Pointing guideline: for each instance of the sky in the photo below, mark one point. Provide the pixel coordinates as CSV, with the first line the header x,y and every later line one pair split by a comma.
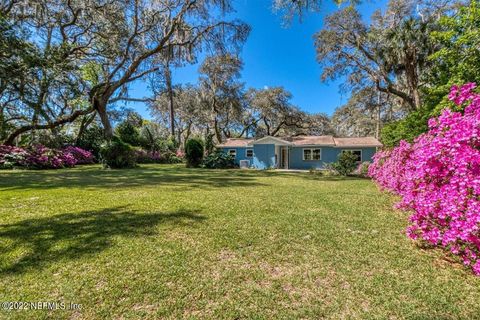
x,y
278,55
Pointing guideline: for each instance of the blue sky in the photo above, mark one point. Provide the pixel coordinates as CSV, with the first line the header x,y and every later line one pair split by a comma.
x,y
275,55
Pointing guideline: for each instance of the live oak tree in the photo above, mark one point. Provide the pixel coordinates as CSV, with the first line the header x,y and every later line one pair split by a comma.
x,y
124,41
137,32
220,88
275,115
391,53
43,89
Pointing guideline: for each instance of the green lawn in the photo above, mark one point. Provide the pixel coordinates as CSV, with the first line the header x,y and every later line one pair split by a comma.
x,y
169,242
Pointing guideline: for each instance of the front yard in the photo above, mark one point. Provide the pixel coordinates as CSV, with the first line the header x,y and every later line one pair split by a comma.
x,y
169,242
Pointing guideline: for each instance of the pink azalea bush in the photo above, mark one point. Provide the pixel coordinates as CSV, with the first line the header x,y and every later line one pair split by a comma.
x,y
41,157
438,179
82,156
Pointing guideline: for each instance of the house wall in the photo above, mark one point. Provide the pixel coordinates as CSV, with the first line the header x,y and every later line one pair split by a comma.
x,y
241,154
328,155
264,156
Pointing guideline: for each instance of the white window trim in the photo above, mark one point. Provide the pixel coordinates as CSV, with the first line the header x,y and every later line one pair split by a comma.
x,y
361,153
311,152
235,150
246,152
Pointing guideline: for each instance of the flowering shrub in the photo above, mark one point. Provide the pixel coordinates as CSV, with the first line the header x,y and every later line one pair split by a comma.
x,y
144,156
41,157
362,169
438,179
82,156
11,156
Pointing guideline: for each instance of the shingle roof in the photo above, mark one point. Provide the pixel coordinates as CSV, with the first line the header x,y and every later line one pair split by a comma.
x,y
236,142
357,142
312,140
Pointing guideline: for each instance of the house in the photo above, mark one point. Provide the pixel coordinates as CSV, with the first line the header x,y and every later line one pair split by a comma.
x,y
301,152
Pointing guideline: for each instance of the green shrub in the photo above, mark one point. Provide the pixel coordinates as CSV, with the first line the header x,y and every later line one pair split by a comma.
x,y
406,129
117,154
92,140
194,152
346,163
128,133
218,160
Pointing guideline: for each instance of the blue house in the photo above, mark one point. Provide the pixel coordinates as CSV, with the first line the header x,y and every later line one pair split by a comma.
x,y
301,152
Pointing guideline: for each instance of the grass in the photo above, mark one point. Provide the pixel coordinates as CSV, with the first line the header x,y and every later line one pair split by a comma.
x,y
169,242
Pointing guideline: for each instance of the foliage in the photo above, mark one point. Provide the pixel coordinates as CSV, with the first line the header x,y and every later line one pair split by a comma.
x,y
194,152
362,169
437,178
117,154
414,124
218,160
35,157
91,139
128,133
346,163
389,54
81,156
209,144
458,59
145,156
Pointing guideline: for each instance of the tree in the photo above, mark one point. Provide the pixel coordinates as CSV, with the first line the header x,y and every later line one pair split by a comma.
x,y
458,60
220,88
390,54
138,33
273,115
365,114
191,113
118,41
46,90
291,8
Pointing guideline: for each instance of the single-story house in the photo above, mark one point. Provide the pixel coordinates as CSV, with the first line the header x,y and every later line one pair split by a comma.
x,y
301,152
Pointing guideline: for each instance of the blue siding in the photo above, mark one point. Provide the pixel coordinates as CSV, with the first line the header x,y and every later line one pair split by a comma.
x,y
329,155
241,154
264,156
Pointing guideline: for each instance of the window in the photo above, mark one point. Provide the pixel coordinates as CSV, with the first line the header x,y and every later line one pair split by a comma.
x,y
249,153
233,152
312,154
357,153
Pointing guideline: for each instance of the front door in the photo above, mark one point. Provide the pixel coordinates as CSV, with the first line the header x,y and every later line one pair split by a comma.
x,y
284,158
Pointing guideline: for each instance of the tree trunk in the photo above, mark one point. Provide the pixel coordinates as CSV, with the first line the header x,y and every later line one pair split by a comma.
x,y
377,129
168,80
101,108
86,121
218,133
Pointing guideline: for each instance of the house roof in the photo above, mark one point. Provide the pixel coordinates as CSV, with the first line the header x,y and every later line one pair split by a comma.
x,y
312,140
236,142
357,142
268,139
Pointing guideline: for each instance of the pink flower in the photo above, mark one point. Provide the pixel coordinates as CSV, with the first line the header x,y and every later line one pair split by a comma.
x,y
437,177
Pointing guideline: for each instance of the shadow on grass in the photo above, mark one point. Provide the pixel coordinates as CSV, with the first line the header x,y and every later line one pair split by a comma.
x,y
150,175
36,243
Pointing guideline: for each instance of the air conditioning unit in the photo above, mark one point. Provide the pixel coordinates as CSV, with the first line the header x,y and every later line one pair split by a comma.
x,y
244,164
